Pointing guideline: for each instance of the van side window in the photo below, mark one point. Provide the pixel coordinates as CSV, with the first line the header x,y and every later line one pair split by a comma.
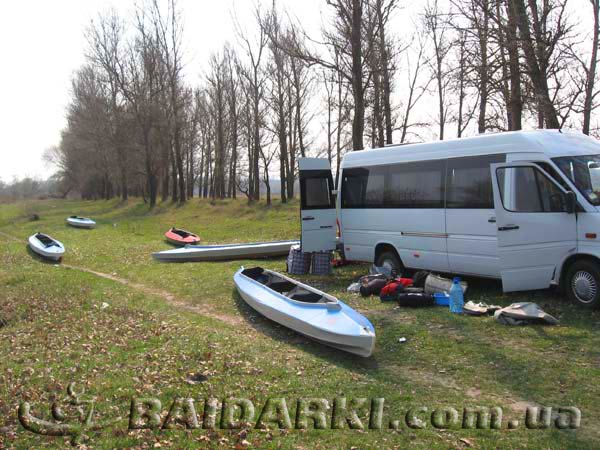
x,y
375,188
526,189
470,182
416,185
354,184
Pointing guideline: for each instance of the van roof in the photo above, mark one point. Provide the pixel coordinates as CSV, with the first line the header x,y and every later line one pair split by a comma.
x,y
553,143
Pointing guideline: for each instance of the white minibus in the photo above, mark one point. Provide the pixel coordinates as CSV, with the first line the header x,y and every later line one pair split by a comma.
x,y
522,207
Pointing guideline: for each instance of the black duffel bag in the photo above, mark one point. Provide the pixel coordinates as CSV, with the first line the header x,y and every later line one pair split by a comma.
x,y
415,299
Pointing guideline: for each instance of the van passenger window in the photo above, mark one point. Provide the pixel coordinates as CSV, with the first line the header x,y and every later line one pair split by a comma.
x,y
470,182
416,185
354,182
375,187
363,188
525,189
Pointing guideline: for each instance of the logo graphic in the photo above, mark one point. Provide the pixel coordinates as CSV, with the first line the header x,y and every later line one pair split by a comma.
x,y
83,418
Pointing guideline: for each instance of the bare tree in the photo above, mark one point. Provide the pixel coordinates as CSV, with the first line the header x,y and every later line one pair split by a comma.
x,y
233,90
436,28
254,89
416,87
589,68
539,42
278,70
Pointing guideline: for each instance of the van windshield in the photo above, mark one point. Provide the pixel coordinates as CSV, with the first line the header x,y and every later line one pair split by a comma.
x,y
584,172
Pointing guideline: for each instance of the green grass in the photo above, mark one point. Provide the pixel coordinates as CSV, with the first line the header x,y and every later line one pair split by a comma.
x,y
173,321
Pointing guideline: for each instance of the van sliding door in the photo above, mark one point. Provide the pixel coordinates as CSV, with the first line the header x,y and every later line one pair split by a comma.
x,y
470,216
317,211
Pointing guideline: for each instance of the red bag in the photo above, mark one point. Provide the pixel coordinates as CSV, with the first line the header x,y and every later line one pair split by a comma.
x,y
391,291
406,282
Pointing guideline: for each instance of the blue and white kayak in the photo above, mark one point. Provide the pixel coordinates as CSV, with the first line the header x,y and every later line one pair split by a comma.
x,y
225,252
81,222
307,310
45,246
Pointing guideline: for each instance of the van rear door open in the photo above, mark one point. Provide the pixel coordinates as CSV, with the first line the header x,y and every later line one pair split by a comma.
x,y
535,230
317,211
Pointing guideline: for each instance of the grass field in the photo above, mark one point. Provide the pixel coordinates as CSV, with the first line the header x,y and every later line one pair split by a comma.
x,y
121,325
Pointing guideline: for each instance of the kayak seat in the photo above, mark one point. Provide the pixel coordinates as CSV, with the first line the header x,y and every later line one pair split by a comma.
x,y
262,279
308,297
254,273
282,286
45,240
181,233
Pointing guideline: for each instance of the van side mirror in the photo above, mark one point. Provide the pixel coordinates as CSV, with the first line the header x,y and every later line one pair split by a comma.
x,y
570,202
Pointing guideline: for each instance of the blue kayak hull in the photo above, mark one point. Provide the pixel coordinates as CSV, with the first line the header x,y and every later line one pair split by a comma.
x,y
332,323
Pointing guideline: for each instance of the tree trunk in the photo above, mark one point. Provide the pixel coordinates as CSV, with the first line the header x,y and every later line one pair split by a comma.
x,y
340,120
124,188
516,100
166,163
538,76
483,69
179,161
174,186
385,75
256,149
461,89
591,73
358,122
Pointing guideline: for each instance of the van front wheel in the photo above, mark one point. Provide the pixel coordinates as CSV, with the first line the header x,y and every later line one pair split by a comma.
x,y
583,284
390,260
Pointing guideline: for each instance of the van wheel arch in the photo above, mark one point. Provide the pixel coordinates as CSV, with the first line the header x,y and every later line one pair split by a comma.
x,y
574,265
572,260
384,252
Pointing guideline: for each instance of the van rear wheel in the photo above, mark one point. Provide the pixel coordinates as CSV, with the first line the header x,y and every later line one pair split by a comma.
x,y
390,260
583,284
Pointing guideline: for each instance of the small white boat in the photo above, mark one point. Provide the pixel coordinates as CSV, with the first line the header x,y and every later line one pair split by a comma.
x,y
225,252
81,222
306,310
45,246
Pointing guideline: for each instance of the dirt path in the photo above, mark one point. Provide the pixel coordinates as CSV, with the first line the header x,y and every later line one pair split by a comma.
x,y
167,296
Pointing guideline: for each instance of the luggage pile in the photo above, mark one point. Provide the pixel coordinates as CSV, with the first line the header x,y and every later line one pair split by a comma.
x,y
423,289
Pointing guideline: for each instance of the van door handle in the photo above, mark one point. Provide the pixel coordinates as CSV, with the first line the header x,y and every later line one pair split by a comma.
x,y
308,218
492,220
508,228
326,226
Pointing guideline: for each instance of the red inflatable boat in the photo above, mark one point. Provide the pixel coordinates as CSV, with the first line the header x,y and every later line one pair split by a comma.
x,y
181,237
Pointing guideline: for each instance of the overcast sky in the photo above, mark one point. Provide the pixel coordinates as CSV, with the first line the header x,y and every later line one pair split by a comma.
x,y
42,43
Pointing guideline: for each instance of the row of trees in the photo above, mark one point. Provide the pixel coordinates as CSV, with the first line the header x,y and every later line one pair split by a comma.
x,y
27,188
135,126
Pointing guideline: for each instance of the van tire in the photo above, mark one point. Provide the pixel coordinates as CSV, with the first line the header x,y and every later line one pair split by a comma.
x,y
390,258
582,284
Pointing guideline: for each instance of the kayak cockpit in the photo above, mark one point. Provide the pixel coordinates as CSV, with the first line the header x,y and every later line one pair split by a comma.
x,y
46,241
184,234
289,288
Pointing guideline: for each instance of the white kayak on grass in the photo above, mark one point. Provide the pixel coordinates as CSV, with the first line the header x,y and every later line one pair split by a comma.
x,y
307,310
225,252
81,222
45,246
